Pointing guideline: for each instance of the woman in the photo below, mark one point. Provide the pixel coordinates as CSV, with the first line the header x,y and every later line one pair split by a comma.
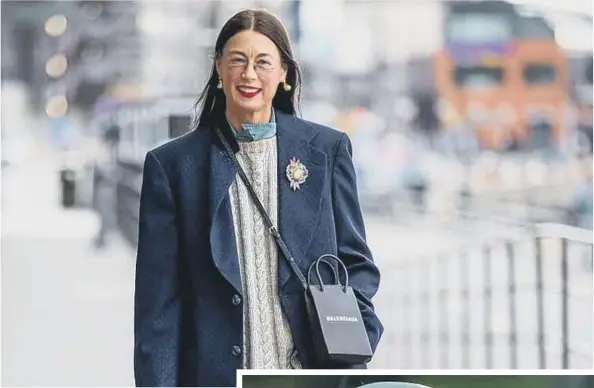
x,y
213,293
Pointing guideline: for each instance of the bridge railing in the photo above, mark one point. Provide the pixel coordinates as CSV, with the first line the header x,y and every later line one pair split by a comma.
x,y
520,301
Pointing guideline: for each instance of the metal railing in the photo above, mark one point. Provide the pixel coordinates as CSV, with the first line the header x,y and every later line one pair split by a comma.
x,y
522,301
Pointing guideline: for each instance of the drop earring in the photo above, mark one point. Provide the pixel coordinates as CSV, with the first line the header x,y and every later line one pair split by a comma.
x,y
287,87
220,84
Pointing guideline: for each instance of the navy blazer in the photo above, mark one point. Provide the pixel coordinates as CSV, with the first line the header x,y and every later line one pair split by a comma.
x,y
188,316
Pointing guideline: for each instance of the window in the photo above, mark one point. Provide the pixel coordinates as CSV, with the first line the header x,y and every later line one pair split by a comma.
x,y
539,74
478,29
471,77
534,28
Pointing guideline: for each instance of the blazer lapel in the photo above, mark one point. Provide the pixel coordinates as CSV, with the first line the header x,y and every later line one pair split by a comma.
x,y
222,231
298,210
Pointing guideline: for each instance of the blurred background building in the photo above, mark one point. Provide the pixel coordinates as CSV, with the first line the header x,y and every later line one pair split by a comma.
x,y
472,129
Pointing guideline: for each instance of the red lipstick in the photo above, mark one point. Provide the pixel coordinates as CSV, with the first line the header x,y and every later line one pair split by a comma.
x,y
248,94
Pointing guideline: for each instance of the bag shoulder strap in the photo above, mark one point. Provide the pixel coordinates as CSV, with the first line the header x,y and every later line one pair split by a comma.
x,y
271,228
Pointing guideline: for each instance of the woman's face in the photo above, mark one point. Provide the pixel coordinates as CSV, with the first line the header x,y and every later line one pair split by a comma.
x,y
251,70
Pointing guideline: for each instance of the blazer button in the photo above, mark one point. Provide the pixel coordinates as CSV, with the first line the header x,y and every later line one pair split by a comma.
x,y
235,350
236,300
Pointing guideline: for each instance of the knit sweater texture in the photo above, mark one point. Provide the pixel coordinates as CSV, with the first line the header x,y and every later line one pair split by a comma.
x,y
267,339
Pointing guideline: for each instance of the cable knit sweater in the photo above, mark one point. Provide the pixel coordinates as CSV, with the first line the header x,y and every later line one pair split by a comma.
x,y
266,334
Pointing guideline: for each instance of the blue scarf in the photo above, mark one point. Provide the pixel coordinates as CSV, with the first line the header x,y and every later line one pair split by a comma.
x,y
255,132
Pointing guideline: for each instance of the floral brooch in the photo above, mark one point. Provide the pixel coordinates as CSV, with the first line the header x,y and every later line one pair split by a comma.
x,y
296,173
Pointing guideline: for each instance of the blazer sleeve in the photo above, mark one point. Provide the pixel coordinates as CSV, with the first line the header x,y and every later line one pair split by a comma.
x,y
156,299
364,276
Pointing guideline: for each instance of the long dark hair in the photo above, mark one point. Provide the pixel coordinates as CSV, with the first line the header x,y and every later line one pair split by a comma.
x,y
210,106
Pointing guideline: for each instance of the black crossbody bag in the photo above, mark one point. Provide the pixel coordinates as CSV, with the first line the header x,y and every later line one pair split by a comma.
x,y
338,331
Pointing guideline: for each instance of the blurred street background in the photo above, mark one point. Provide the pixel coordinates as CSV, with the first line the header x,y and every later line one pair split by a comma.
x,y
472,131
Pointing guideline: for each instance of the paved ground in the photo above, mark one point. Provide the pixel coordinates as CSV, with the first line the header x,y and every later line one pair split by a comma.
x,y
67,310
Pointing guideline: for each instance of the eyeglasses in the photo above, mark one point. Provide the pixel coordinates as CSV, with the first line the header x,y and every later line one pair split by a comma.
x,y
261,67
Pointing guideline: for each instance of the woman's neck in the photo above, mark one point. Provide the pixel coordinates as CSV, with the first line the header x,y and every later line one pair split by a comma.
x,y
238,118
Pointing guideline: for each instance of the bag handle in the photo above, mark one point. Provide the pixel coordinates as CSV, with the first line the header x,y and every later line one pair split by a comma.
x,y
271,228
331,256
321,283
